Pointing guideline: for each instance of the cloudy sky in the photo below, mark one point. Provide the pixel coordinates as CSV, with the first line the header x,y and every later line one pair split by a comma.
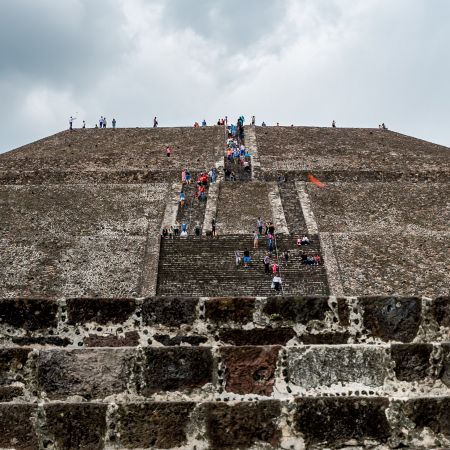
x,y
302,62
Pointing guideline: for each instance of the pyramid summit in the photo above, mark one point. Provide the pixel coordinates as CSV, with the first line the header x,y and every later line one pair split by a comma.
x,y
117,332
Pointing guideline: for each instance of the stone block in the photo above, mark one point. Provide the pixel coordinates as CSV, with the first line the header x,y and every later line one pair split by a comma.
x,y
343,312
440,309
12,362
17,426
297,309
169,311
91,373
130,339
322,367
412,361
176,369
225,310
324,338
445,372
153,425
76,426
432,413
392,318
243,425
168,341
41,340
250,370
29,314
99,310
257,336
333,421
8,393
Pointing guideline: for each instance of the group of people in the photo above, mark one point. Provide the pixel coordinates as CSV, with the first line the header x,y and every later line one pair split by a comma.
x,y
102,123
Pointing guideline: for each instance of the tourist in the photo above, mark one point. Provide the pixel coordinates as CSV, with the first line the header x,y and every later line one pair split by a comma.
x,y
263,124
183,176
237,255
176,228
333,124
171,232
271,228
114,123
196,125
247,258
270,243
104,122
255,239
276,282
260,224
197,229
168,151
184,229
303,241
71,120
84,124
213,226
253,120
286,257
317,259
155,122
182,199
204,123
266,262
274,268
188,176
164,233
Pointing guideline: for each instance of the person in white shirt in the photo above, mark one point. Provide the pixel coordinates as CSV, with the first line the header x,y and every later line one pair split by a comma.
x,y
276,282
71,120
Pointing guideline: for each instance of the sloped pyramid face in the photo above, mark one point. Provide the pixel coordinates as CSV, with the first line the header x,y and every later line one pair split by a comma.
x,y
112,337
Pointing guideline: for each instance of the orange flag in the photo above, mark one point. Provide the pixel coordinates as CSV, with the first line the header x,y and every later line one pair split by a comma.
x,y
314,180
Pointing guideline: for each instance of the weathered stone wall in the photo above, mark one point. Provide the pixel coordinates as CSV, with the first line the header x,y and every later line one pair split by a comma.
x,y
312,372
124,155
348,154
77,240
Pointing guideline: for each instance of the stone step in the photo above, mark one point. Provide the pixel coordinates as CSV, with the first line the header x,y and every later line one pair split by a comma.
x,y
307,422
292,208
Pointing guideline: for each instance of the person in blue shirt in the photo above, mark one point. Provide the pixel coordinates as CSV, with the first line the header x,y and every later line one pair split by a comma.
x,y
204,123
182,198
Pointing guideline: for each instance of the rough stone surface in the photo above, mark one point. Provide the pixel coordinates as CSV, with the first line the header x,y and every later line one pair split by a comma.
x,y
433,413
297,309
239,206
12,361
441,311
333,421
314,367
91,373
101,311
129,339
250,370
176,369
153,425
392,318
166,340
29,314
98,156
171,312
412,361
243,425
8,393
257,336
224,310
325,338
17,429
73,426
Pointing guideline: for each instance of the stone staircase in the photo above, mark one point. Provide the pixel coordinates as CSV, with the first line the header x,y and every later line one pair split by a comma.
x,y
241,173
292,208
193,211
206,267
223,373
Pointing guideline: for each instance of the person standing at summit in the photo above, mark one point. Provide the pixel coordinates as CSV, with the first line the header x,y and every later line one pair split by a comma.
x,y
155,122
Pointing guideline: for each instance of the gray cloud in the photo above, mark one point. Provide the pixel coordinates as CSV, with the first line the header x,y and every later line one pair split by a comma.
x,y
359,62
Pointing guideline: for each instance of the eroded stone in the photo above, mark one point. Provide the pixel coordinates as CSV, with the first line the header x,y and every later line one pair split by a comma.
x,y
297,309
257,336
91,373
29,314
250,370
440,308
176,369
76,426
130,339
169,311
12,362
392,318
224,310
101,311
412,361
321,367
17,429
153,425
333,421
243,425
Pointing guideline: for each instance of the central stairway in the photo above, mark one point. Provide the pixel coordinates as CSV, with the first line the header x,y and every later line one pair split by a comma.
x,y
206,267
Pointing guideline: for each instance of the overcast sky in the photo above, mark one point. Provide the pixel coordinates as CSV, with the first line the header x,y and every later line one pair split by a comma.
x,y
302,62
